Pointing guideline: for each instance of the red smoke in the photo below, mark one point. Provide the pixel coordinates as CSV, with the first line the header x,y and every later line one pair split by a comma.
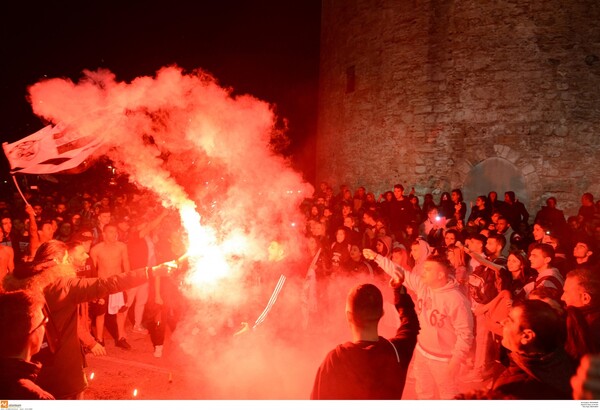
x,y
203,150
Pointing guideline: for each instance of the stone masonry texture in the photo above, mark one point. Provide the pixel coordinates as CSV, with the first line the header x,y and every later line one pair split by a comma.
x,y
420,92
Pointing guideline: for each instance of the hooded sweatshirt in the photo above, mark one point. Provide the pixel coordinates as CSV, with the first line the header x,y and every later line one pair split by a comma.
x,y
444,314
387,245
425,252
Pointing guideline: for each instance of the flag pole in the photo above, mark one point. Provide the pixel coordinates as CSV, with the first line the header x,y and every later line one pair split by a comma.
x,y
19,189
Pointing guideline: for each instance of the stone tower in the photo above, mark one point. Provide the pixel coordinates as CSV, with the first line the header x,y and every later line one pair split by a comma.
x,y
471,94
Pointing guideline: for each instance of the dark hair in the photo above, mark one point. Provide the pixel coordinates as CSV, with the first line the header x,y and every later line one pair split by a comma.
x,y
588,281
522,257
548,325
453,232
547,250
459,193
544,292
104,210
45,222
501,239
366,304
109,225
587,241
511,195
399,186
589,196
16,312
48,252
479,237
370,213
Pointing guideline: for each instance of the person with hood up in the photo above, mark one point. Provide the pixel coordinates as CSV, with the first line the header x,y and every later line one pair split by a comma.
x,y
446,322
383,247
419,251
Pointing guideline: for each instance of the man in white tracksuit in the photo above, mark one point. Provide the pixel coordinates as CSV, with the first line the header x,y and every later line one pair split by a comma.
x,y
446,325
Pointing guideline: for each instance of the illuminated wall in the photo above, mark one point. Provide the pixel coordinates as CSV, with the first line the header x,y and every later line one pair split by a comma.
x,y
430,93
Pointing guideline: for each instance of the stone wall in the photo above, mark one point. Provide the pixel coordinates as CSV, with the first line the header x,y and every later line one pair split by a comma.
x,y
420,92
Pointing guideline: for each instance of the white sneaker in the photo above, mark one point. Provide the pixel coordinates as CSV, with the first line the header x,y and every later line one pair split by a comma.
x,y
158,350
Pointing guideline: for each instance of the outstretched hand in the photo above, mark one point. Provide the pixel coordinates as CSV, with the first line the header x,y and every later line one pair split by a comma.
x,y
396,282
165,268
369,254
98,350
29,209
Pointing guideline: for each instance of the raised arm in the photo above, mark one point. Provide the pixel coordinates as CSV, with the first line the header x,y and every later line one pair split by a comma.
x,y
409,322
480,258
34,238
396,272
150,226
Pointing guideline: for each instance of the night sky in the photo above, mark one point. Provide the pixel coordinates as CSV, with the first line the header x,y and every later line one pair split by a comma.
x,y
268,48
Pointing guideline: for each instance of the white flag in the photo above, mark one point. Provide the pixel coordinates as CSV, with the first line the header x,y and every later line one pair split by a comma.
x,y
52,149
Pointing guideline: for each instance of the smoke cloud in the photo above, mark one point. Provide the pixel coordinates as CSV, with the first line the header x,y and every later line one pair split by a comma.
x,y
208,154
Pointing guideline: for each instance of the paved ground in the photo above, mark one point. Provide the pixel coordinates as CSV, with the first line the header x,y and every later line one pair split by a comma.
x,y
117,375
247,374
138,375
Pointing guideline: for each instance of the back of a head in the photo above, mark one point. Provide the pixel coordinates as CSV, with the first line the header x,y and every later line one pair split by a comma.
x,y
48,251
546,322
16,312
49,254
365,302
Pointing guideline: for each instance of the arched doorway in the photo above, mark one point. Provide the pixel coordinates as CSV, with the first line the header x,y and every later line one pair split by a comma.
x,y
494,174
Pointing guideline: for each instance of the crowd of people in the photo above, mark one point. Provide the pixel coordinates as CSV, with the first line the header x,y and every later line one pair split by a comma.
x,y
508,303
90,261
487,294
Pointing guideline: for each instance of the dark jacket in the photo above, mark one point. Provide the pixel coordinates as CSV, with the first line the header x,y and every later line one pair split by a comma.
x,y
592,317
579,334
368,370
62,372
545,377
17,380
